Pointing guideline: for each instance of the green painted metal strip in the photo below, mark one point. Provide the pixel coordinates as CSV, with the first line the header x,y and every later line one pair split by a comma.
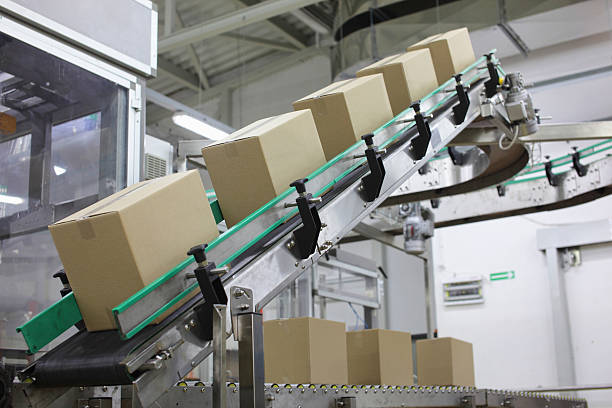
x,y
502,275
152,286
50,323
214,206
158,313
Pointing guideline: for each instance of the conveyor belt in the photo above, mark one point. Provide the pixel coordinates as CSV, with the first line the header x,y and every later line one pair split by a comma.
x,y
95,358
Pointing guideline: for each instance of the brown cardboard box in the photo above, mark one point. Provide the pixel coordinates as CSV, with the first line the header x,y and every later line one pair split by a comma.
x,y
259,161
115,247
346,110
445,361
451,52
305,350
379,357
408,77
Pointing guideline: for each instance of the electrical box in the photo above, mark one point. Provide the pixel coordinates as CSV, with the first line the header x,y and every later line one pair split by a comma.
x,y
463,291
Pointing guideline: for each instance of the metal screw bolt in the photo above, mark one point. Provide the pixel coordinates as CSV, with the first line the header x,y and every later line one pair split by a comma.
x,y
238,293
243,306
105,388
290,244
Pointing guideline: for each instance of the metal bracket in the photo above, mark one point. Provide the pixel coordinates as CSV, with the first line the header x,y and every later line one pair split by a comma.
x,y
304,241
493,82
241,301
580,168
460,110
346,402
456,156
553,179
419,144
209,280
372,183
467,401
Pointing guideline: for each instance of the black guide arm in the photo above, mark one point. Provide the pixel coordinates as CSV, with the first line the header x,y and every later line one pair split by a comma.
x,y
420,143
305,238
65,290
501,190
460,110
435,203
580,168
553,179
209,280
455,155
372,183
61,275
493,82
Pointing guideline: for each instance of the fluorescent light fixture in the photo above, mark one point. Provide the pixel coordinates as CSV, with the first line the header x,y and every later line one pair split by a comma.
x,y
10,199
197,126
59,170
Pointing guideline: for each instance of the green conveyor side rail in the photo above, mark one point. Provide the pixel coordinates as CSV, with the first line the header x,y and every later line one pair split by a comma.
x,y
50,323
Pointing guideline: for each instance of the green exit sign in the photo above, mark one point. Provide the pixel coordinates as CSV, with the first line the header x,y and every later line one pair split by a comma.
x,y
502,275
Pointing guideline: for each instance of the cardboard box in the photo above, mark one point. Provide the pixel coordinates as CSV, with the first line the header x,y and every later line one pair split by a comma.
x,y
451,52
259,161
346,110
408,77
305,350
115,247
445,361
379,357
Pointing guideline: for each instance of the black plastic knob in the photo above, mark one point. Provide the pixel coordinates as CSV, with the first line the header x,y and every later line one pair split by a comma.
x,y
198,252
458,77
416,106
368,139
300,185
62,276
489,56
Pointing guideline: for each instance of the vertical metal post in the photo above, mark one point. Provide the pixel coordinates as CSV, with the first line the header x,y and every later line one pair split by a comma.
x,y
302,300
430,294
251,360
370,315
247,326
564,351
219,357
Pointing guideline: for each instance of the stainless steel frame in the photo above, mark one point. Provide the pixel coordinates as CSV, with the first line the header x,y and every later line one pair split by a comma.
x,y
314,396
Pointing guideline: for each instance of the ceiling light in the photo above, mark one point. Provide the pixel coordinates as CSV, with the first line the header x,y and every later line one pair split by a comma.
x,y
197,126
10,199
59,170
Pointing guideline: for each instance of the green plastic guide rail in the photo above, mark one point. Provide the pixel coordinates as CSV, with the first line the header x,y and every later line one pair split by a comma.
x,y
50,323
60,316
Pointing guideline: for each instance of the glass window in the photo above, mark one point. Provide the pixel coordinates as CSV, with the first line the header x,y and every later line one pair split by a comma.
x,y
15,159
75,170
63,133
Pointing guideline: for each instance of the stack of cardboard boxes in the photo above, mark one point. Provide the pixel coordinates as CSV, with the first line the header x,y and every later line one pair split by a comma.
x,y
121,244
307,350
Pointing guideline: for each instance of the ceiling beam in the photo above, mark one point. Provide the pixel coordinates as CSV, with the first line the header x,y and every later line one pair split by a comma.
x,y
193,55
253,74
311,21
180,75
262,42
281,26
229,22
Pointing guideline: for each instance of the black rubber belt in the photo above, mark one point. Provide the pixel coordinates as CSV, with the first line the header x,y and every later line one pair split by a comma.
x,y
95,358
